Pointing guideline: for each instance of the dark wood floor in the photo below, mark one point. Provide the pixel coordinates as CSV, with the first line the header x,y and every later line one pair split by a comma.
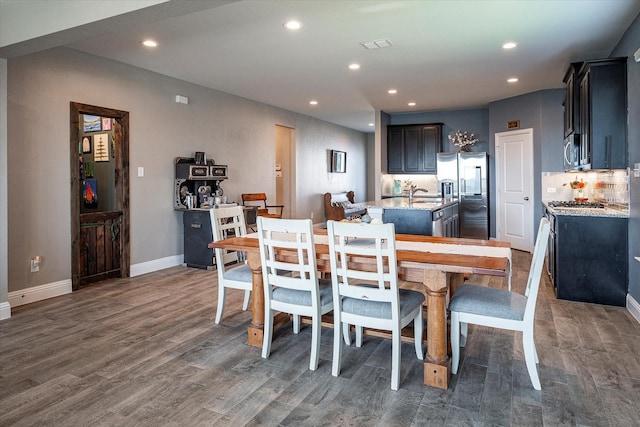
x,y
145,352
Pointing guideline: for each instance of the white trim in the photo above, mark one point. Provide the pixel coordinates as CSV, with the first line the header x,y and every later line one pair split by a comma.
x,y
155,265
634,307
38,293
5,310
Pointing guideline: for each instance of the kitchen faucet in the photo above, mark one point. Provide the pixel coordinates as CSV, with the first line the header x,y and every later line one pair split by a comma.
x,y
413,189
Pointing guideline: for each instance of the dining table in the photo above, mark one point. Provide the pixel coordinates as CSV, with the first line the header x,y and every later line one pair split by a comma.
x,y
439,264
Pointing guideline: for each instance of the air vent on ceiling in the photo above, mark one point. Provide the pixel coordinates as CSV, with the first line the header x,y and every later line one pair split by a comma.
x,y
377,44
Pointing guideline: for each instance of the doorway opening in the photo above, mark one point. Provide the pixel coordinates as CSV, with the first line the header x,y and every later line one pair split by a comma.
x,y
99,154
285,170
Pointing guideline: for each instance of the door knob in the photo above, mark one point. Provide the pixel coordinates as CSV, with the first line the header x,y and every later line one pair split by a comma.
x,y
526,198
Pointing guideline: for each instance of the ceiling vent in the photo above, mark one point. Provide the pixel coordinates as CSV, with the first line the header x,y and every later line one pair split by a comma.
x,y
376,44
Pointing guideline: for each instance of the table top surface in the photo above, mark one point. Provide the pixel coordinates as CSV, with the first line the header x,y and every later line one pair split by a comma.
x,y
413,257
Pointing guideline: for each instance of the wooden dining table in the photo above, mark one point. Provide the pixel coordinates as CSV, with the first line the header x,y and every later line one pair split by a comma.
x,y
438,263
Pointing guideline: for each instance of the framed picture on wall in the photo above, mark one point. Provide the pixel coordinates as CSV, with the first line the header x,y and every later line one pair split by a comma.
x,y
101,147
91,123
106,123
338,161
86,145
90,193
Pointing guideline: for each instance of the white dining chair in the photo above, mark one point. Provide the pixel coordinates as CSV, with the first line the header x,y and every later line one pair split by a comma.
x,y
502,309
225,221
366,294
291,284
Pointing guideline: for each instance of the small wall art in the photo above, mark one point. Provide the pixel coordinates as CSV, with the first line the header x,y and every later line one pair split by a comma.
x,y
91,123
101,147
338,161
86,144
106,123
90,193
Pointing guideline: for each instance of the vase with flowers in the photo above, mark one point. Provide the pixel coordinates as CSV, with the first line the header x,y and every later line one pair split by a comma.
x,y
463,140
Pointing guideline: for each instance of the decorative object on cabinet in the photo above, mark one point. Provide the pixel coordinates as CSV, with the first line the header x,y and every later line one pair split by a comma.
x,y
412,149
338,161
463,140
197,179
338,206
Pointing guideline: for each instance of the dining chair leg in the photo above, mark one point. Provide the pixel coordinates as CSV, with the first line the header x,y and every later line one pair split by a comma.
x,y
417,335
296,323
337,349
463,333
529,348
268,333
455,342
315,342
358,336
395,359
247,297
346,333
221,295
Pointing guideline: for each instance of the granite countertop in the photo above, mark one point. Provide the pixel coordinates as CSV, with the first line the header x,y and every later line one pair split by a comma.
x,y
608,211
422,203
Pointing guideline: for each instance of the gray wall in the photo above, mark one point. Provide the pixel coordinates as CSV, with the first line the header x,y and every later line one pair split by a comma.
x,y
231,130
541,111
629,43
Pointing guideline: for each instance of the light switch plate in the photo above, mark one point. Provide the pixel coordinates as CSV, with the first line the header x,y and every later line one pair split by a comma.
x,y
551,189
140,171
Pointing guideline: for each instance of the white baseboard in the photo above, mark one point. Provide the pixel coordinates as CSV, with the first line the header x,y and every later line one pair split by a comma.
x,y
634,307
5,310
38,293
155,265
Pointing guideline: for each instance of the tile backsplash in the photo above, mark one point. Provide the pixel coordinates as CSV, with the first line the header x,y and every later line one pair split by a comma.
x,y
429,182
610,187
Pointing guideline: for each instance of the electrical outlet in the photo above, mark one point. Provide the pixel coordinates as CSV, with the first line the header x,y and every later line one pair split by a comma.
x,y
551,189
311,216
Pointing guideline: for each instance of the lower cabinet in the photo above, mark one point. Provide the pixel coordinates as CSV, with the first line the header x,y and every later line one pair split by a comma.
x,y
197,236
590,259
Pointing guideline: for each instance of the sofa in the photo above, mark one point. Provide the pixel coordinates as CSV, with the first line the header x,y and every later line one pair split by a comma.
x,y
338,206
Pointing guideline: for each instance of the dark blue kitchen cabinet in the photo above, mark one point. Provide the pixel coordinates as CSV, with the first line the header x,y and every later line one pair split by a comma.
x,y
412,149
590,259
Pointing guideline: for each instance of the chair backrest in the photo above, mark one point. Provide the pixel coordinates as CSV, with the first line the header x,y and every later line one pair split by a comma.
x,y
293,238
348,242
254,197
223,221
535,272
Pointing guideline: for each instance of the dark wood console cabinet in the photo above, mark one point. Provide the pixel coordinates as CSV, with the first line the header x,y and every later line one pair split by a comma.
x,y
412,149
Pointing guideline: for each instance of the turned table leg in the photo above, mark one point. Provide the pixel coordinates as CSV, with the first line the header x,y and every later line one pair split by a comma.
x,y
256,328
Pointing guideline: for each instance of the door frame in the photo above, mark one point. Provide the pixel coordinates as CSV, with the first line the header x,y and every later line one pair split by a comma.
x,y
499,199
122,185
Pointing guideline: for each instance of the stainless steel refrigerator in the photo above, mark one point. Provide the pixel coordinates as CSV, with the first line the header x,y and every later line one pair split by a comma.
x,y
463,176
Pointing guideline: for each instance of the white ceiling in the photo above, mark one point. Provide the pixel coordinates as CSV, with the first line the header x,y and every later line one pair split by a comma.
x,y
445,54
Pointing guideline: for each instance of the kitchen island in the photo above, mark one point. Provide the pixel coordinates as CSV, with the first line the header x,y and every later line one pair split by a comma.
x,y
427,216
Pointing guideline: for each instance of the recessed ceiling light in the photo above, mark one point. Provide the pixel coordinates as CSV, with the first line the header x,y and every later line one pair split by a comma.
x,y
354,66
293,25
411,104
313,102
509,45
149,43
371,124
392,91
512,80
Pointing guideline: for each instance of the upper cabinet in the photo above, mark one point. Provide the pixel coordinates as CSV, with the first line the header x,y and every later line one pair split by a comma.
x,y
412,148
595,111
571,102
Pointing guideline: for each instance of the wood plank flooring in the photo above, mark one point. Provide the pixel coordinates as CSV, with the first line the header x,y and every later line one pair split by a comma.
x,y
145,352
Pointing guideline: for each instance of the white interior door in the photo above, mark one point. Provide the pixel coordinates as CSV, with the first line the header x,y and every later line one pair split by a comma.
x,y
514,184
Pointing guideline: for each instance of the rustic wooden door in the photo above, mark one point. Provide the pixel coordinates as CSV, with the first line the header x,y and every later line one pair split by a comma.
x,y
99,193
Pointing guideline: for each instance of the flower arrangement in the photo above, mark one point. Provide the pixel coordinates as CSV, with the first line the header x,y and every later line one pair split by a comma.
x,y
463,139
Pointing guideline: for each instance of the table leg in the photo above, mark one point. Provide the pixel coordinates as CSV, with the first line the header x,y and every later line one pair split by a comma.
x,y
437,367
256,328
